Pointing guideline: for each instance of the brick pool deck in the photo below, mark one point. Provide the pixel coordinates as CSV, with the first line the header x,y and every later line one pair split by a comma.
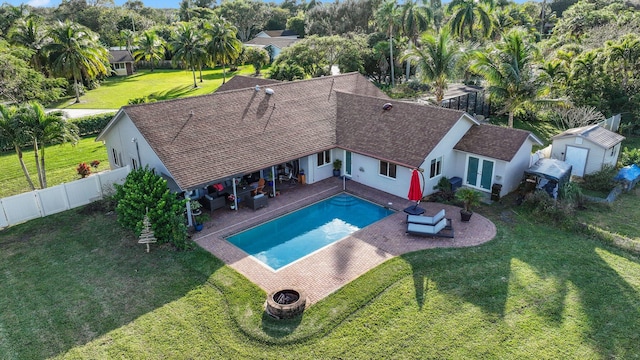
x,y
330,268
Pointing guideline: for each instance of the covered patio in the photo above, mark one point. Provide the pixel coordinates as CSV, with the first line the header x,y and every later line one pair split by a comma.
x,y
327,270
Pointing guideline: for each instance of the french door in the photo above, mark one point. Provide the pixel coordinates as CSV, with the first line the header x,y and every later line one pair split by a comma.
x,y
479,172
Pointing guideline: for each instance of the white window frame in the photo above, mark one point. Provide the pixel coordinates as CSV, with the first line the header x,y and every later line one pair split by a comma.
x,y
323,158
388,172
435,168
114,153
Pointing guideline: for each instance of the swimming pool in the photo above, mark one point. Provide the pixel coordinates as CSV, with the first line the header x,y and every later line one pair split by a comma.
x,y
289,238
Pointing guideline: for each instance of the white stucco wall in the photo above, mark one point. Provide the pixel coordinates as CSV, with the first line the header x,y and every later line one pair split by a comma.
x,y
596,157
514,170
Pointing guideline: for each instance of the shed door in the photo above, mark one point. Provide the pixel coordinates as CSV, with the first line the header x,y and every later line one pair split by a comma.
x,y
577,157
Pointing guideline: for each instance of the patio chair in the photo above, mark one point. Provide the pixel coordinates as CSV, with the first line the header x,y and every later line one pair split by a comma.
x,y
442,229
426,220
290,177
260,188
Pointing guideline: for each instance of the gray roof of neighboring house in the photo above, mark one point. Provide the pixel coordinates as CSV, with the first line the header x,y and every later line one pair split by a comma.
x,y
210,137
243,82
594,133
404,134
280,43
493,141
119,56
278,33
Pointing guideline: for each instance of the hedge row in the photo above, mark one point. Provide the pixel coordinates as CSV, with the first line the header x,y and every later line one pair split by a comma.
x,y
93,124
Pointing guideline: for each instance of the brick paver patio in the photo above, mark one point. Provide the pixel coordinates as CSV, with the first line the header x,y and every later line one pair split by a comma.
x,y
327,270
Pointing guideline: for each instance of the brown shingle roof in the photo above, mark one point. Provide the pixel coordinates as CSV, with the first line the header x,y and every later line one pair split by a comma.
x,y
405,134
277,33
210,137
119,56
244,82
493,141
594,133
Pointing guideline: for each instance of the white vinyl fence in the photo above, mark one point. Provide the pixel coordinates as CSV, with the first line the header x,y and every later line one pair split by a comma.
x,y
40,203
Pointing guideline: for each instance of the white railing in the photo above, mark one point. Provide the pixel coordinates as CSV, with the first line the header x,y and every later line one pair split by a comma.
x,y
40,203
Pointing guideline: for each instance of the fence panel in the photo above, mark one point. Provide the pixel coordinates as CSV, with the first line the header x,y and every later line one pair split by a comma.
x,y
21,208
53,200
24,207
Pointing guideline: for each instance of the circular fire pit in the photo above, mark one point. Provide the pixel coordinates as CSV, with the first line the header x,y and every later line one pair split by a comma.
x,y
285,304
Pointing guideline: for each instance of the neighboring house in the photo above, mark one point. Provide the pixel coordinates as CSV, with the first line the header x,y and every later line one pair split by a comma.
x,y
289,34
204,140
273,46
121,61
588,149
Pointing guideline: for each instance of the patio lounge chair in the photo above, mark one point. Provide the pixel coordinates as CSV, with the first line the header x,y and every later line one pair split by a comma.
x,y
426,220
260,188
442,229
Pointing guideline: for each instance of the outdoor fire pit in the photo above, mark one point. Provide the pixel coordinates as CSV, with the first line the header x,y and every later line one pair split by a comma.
x,y
285,304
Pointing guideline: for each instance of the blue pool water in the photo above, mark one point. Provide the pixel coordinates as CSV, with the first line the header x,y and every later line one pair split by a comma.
x,y
286,239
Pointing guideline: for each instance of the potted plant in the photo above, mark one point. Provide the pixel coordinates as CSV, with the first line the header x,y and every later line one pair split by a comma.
x,y
232,201
199,221
470,198
196,207
337,166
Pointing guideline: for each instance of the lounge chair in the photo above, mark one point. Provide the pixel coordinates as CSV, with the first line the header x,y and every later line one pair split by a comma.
x,y
288,177
442,229
426,220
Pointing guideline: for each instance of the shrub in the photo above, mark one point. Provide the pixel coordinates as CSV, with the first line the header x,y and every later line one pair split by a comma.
x,y
571,193
601,180
83,170
145,191
91,125
444,192
630,156
545,207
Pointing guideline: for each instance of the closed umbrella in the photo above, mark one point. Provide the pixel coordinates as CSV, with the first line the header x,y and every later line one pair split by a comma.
x,y
415,194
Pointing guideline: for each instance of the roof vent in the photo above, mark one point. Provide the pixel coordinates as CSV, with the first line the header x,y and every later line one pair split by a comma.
x,y
257,87
269,91
387,106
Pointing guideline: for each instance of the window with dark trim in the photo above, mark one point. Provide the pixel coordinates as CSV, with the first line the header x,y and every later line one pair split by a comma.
x,y
436,167
387,169
324,157
115,157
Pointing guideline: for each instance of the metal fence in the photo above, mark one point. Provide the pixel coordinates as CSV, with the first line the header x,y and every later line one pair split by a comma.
x,y
40,203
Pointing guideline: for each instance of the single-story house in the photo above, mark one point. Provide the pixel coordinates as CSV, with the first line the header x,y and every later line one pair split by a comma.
x,y
286,33
273,46
121,62
205,140
588,148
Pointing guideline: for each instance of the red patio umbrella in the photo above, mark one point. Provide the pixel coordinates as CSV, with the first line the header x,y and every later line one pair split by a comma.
x,y
415,194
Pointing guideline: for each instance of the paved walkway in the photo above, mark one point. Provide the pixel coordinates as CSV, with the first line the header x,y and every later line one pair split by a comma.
x,y
327,270
77,113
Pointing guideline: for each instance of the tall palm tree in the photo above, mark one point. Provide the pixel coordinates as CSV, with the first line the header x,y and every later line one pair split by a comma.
x,y
222,46
467,13
150,48
510,69
436,58
75,52
416,17
388,18
13,133
187,44
31,34
45,129
623,56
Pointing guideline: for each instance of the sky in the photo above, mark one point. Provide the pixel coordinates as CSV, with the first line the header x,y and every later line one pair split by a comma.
x,y
149,3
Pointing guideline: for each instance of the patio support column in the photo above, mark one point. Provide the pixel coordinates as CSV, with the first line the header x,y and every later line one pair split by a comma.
x,y
189,216
273,180
235,194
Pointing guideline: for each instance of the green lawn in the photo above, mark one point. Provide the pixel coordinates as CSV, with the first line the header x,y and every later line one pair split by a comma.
x,y
60,162
75,285
116,91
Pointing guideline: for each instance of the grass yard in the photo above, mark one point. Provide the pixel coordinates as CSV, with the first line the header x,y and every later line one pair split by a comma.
x,y
60,162
75,285
116,91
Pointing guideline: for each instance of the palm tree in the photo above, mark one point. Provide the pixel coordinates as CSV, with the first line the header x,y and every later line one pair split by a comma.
x,y
45,129
387,18
436,58
466,13
510,70
187,44
150,48
12,133
222,46
74,52
415,19
623,56
31,34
